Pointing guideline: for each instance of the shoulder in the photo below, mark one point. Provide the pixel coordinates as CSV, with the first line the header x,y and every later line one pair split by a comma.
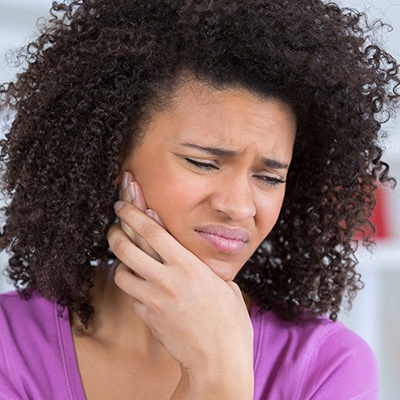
x,y
26,325
18,314
30,351
323,359
13,301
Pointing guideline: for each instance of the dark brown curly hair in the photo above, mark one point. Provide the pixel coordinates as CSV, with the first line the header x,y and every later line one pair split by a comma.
x,y
98,66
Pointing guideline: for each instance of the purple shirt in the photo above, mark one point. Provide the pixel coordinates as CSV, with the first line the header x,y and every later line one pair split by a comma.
x,y
320,360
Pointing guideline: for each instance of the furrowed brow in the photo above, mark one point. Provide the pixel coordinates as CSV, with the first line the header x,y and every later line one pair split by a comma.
x,y
274,164
214,151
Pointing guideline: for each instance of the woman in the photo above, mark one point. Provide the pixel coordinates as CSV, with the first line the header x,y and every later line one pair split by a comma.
x,y
242,141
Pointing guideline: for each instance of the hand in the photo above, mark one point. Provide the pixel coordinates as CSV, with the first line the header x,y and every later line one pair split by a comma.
x,y
131,192
200,319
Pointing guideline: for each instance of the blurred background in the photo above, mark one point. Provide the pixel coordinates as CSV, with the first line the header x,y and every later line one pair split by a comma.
x,y
375,315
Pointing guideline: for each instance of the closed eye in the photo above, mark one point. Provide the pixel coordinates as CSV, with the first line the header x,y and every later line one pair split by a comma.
x,y
270,180
205,166
210,166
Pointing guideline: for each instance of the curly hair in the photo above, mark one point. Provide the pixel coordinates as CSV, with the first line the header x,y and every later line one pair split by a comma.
x,y
99,66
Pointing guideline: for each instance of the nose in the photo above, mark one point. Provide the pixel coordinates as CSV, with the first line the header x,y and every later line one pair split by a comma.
x,y
233,197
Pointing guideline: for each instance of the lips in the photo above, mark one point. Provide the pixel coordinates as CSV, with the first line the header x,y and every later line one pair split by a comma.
x,y
223,238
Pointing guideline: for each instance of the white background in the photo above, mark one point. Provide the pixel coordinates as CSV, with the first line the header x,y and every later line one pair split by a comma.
x,y
375,315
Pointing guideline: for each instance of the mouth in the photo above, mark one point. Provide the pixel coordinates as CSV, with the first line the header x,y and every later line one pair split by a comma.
x,y
223,238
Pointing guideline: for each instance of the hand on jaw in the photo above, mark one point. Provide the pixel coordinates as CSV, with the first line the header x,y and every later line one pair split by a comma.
x,y
199,318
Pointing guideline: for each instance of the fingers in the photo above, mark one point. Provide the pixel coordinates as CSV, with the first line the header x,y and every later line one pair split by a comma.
x,y
131,255
127,194
132,193
130,283
164,244
135,287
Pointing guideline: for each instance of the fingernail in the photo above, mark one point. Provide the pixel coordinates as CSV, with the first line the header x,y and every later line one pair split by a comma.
x,y
118,205
125,180
132,191
151,214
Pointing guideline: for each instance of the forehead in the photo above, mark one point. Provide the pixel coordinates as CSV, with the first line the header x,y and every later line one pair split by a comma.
x,y
233,117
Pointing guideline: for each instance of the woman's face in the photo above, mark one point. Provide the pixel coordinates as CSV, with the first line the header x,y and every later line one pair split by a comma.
x,y
212,165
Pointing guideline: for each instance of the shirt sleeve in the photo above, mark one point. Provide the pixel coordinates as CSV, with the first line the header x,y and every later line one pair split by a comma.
x,y
342,367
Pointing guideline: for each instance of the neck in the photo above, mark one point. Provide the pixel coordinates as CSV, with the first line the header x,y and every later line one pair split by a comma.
x,y
113,322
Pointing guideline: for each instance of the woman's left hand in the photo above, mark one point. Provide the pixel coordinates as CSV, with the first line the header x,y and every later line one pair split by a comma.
x,y
199,318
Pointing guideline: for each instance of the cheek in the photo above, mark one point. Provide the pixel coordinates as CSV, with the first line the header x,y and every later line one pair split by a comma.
x,y
168,193
268,213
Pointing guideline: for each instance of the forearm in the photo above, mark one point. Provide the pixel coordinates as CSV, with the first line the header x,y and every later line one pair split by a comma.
x,y
234,382
182,391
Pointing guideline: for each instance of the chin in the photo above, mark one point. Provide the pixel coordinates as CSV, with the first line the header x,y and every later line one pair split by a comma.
x,y
227,271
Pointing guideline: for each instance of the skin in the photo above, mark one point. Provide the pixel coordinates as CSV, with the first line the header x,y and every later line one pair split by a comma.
x,y
199,193
237,191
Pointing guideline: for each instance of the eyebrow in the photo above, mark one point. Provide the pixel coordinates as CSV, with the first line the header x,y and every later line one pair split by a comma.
x,y
216,151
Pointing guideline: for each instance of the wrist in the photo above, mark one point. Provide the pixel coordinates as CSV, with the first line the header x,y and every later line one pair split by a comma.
x,y
233,380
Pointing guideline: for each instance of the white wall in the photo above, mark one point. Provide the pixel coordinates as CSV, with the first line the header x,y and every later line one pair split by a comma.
x,y
17,25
